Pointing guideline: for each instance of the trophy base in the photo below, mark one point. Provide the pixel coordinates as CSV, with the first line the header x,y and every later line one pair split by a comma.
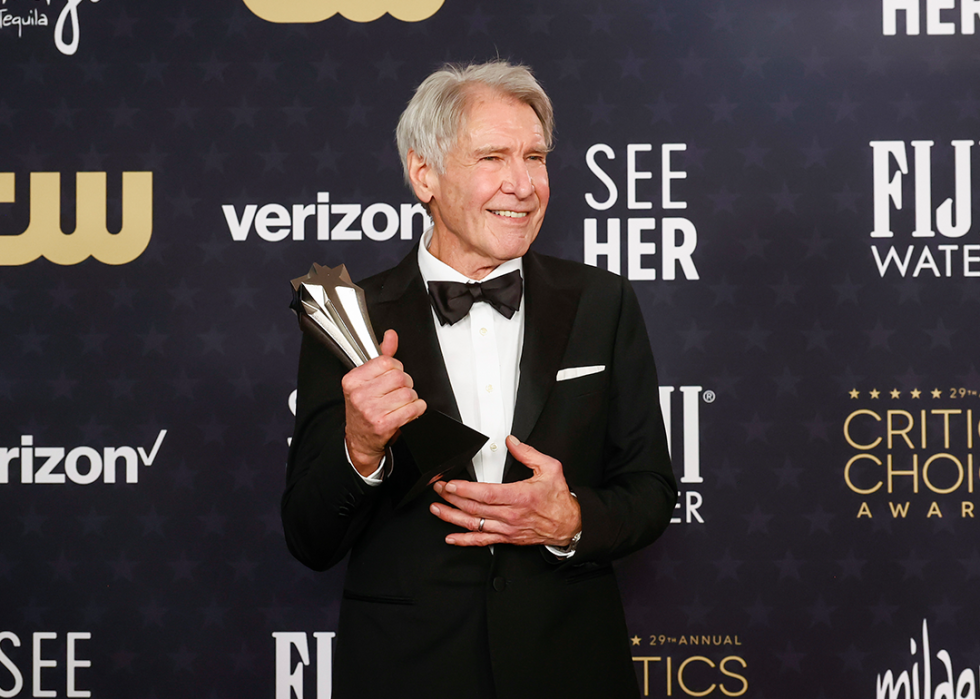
x,y
442,449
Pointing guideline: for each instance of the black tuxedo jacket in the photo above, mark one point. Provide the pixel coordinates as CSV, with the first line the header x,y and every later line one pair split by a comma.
x,y
423,618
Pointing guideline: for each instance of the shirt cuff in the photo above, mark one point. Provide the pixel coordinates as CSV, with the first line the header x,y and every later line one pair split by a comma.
x,y
566,551
376,478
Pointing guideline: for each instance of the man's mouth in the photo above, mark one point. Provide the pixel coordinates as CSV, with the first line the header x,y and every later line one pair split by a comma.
x,y
510,214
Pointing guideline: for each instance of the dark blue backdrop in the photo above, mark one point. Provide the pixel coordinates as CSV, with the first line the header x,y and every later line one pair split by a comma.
x,y
826,534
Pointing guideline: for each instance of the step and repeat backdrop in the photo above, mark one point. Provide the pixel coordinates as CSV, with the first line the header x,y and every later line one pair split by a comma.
x,y
788,185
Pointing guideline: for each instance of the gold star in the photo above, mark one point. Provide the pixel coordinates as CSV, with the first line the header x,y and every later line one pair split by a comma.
x,y
875,393
854,393
894,393
916,393
635,640
936,393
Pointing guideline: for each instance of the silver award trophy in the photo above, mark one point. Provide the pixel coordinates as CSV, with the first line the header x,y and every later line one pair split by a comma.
x,y
332,310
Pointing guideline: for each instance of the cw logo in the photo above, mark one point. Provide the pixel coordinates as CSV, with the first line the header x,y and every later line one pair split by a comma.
x,y
44,237
306,11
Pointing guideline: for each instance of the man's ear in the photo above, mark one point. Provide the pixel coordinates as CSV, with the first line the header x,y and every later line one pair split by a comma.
x,y
422,177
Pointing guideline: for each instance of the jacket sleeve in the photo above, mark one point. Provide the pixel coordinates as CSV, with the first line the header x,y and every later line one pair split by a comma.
x,y
326,503
633,504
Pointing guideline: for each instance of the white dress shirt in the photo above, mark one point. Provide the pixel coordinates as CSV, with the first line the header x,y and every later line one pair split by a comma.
x,y
482,353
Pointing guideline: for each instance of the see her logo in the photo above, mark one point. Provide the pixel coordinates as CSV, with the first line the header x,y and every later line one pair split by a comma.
x,y
287,11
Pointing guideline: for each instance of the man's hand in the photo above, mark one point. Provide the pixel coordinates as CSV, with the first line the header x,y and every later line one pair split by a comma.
x,y
379,399
539,510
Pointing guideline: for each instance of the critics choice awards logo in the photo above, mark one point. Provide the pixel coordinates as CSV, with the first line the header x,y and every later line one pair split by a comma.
x,y
910,454
692,665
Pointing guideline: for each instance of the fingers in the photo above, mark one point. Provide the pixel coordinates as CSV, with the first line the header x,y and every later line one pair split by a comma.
x,y
376,402
475,539
529,456
458,517
389,343
474,511
370,370
468,494
380,376
538,510
407,412
493,532
380,398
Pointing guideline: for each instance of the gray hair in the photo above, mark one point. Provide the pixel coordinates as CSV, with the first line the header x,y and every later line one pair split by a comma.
x,y
430,123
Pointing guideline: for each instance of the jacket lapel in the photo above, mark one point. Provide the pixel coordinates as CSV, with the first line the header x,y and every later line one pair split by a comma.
x,y
550,310
402,303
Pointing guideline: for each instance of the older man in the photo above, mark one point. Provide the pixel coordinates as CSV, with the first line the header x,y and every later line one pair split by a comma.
x,y
500,586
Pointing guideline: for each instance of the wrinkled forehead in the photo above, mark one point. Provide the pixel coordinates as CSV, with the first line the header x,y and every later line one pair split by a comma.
x,y
479,100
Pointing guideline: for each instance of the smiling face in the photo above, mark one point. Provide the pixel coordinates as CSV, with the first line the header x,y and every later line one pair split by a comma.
x,y
488,205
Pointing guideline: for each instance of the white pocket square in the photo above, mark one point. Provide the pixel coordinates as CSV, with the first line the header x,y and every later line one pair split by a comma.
x,y
576,372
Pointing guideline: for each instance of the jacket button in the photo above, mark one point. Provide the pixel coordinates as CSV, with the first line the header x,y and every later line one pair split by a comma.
x,y
499,584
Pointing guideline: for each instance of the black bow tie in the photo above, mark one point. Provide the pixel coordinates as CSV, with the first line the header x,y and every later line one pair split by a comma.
x,y
453,300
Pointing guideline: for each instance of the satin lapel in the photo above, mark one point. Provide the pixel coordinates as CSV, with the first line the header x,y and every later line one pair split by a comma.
x,y
549,313
403,304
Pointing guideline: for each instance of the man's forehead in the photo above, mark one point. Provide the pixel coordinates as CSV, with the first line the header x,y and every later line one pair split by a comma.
x,y
489,115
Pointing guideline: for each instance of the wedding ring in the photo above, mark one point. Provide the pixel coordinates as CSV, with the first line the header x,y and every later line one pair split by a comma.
x,y
482,522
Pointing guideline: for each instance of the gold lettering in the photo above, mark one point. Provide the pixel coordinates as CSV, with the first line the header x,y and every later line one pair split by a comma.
x,y
969,432
646,660
305,11
44,237
966,509
7,188
914,473
934,510
897,509
847,473
680,676
946,413
724,671
925,473
904,432
863,511
847,429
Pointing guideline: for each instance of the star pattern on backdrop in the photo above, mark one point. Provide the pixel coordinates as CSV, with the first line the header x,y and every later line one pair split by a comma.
x,y
789,324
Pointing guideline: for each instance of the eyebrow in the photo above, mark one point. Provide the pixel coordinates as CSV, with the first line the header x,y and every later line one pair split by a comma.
x,y
487,150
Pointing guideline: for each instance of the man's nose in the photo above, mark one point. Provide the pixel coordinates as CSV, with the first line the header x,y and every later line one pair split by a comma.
x,y
518,180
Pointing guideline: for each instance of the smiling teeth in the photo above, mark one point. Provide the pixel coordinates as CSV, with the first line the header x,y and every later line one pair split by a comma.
x,y
511,214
